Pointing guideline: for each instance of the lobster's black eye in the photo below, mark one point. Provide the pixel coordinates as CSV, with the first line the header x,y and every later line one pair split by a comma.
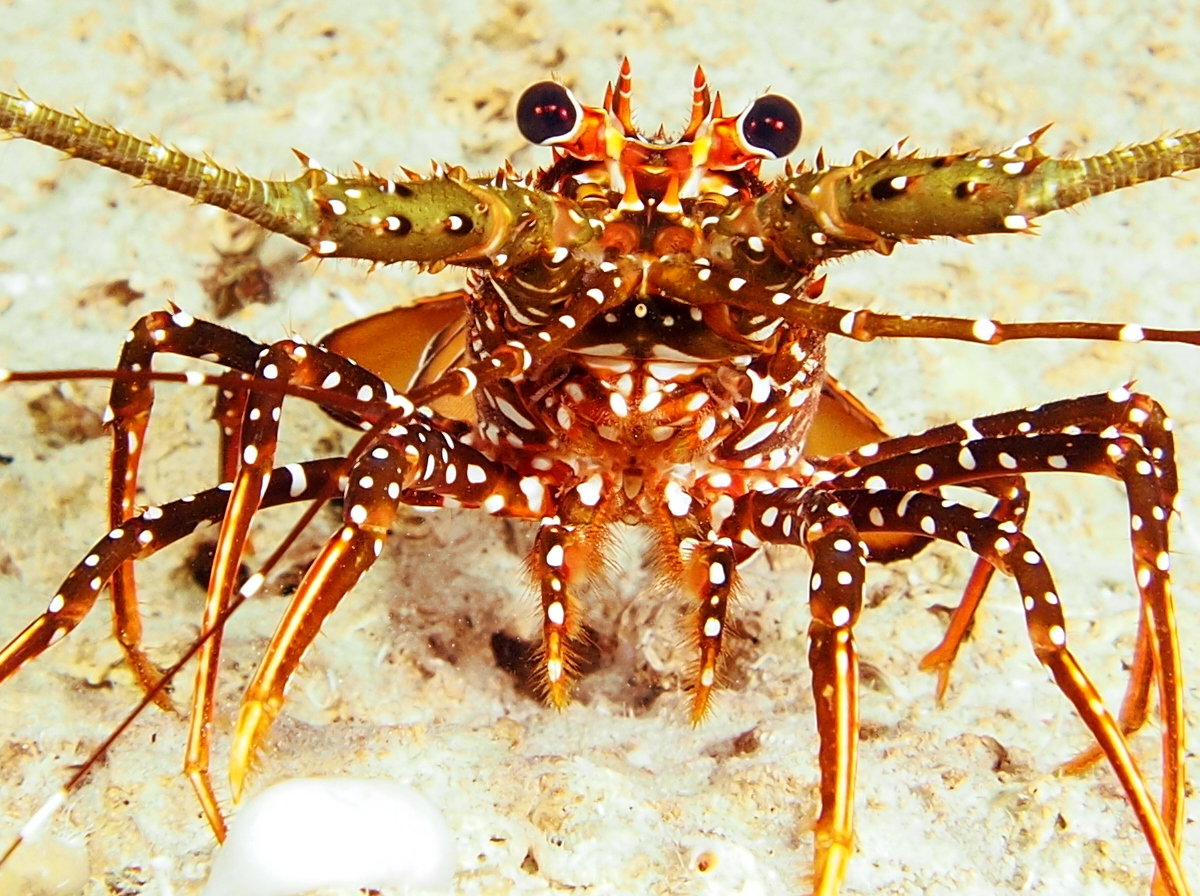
x,y
546,113
771,125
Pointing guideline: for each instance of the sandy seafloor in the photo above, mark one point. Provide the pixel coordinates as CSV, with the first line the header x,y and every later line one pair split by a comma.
x,y
606,797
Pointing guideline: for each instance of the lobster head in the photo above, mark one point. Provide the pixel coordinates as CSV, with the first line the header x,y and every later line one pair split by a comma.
x,y
600,144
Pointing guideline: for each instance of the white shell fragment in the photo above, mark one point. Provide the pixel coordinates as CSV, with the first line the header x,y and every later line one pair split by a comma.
x,y
310,833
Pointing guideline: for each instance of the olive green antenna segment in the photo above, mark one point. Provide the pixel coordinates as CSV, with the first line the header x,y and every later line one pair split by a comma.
x,y
874,203
1069,182
445,219
275,205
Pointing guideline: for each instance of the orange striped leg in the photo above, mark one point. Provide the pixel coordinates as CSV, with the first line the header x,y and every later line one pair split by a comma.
x,y
709,571
292,363
1012,504
567,551
407,461
139,537
820,522
1135,707
835,598
128,413
704,565
564,556
1122,435
1014,553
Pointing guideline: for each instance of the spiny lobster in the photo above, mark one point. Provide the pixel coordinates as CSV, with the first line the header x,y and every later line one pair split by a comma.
x,y
641,340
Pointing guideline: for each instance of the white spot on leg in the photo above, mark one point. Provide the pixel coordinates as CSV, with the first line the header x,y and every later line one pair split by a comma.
x,y
1131,333
299,480
983,329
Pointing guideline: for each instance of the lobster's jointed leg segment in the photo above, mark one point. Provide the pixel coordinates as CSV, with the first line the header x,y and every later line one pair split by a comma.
x,y
145,534
821,523
411,457
128,413
566,553
1118,435
1015,554
835,599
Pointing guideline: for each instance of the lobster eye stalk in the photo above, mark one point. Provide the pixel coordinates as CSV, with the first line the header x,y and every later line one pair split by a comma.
x,y
547,114
770,128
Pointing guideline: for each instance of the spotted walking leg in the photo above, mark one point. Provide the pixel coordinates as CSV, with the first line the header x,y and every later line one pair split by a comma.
x,y
822,525
295,364
1011,551
141,536
567,551
704,566
1121,435
835,600
1015,554
1012,504
129,410
414,457
1135,706
175,332
818,521
128,414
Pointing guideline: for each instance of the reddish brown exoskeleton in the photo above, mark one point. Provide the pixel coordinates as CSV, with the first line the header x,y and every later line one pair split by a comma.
x,y
641,340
